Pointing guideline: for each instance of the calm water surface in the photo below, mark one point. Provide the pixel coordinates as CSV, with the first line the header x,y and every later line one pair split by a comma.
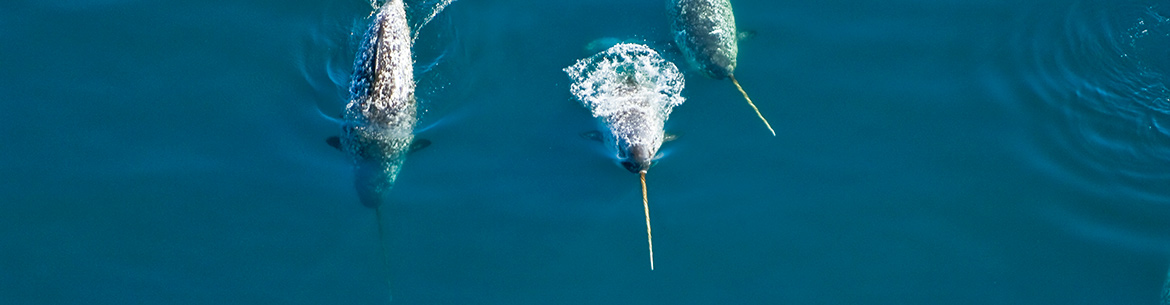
x,y
927,152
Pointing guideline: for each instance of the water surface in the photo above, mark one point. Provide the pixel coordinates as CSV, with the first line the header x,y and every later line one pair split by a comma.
x,y
927,152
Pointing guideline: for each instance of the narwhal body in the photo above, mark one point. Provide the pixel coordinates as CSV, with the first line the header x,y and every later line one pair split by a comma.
x,y
379,121
705,33
631,90
381,115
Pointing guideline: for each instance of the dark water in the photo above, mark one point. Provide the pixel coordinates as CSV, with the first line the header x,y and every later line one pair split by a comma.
x,y
927,152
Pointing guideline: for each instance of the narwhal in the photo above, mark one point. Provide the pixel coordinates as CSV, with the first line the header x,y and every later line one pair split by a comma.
x,y
1166,290
380,118
631,90
704,31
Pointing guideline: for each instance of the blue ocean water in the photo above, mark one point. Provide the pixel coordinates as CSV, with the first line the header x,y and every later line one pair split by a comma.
x,y
927,152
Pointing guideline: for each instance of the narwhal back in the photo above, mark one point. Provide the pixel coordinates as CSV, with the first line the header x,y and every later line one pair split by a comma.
x,y
705,32
382,112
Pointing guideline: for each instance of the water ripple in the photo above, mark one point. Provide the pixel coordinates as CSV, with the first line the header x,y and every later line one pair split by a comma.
x,y
1095,76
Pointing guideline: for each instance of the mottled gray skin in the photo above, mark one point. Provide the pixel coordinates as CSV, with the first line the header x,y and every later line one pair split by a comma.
x,y
628,136
705,33
634,156
382,113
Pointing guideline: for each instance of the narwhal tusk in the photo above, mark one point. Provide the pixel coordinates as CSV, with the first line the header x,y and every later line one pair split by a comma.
x,y
646,207
749,100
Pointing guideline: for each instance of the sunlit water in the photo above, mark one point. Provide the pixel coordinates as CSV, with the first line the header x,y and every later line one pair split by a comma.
x,y
927,152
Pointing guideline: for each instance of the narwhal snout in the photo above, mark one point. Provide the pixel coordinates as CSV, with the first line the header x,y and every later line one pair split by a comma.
x,y
639,160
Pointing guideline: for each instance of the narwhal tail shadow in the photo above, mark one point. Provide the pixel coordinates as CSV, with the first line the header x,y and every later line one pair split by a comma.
x,y
384,254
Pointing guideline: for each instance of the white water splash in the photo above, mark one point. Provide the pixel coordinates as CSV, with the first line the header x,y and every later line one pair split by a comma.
x,y
419,13
626,76
435,8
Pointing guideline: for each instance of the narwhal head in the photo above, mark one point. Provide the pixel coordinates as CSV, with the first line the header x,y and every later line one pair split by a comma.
x,y
630,89
636,148
638,158
636,136
374,180
377,158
